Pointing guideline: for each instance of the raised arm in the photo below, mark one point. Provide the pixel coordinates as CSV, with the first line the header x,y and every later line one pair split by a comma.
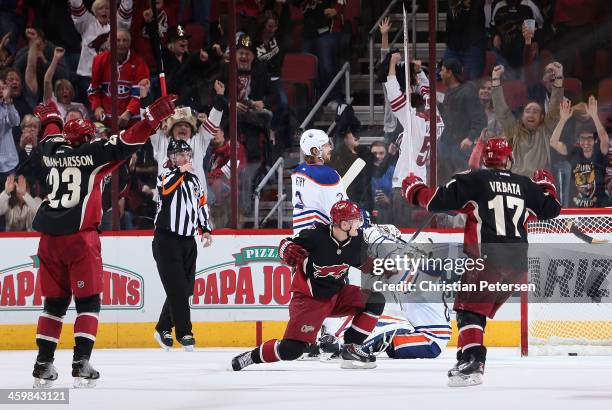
x,y
604,141
556,96
35,47
500,107
565,114
48,81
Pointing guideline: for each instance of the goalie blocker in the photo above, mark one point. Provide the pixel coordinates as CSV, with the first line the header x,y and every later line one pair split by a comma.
x,y
498,204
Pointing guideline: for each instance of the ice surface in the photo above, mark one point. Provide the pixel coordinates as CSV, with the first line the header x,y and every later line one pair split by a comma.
x,y
146,379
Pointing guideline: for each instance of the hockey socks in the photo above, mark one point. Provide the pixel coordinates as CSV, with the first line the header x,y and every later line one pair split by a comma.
x,y
364,322
49,327
275,350
471,329
86,326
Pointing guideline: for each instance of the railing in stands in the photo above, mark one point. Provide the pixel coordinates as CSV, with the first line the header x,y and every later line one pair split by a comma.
x,y
278,168
412,21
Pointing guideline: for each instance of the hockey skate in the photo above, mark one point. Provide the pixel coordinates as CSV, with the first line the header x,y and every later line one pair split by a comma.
x,y
164,339
241,361
44,375
84,375
469,369
188,343
312,352
355,358
330,348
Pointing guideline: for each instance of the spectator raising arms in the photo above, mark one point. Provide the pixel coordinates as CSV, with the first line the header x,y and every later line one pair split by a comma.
x,y
17,204
132,69
588,160
529,135
9,118
94,29
64,93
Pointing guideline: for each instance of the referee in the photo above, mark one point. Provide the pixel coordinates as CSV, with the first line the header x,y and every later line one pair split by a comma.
x,y
181,211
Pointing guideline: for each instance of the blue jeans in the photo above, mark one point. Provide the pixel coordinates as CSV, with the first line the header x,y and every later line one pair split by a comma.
x,y
562,171
473,60
451,159
510,73
282,103
325,47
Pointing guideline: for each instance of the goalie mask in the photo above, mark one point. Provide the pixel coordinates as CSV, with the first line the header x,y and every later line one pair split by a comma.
x,y
497,153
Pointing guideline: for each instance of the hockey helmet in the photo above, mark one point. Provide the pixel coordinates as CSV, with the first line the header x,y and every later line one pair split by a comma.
x,y
313,138
345,211
78,131
497,152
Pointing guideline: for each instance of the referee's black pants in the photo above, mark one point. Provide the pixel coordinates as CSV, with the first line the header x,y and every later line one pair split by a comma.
x,y
175,256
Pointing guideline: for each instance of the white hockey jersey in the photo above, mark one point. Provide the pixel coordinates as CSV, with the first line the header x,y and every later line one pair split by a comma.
x,y
316,187
417,144
95,37
199,144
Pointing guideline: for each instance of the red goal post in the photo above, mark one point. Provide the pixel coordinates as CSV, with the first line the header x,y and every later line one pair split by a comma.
x,y
570,328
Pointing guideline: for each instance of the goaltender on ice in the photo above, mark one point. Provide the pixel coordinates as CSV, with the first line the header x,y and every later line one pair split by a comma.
x,y
498,205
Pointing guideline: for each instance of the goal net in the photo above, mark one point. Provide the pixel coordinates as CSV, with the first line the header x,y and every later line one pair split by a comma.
x,y
570,311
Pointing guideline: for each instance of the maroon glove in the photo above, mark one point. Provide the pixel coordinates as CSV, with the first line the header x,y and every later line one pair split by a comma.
x,y
546,181
291,253
161,109
411,185
48,113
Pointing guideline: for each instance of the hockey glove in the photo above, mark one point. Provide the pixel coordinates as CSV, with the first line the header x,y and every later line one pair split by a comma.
x,y
161,109
291,253
546,181
48,113
411,185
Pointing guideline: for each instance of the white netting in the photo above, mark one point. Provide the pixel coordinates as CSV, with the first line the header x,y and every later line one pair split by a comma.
x,y
583,274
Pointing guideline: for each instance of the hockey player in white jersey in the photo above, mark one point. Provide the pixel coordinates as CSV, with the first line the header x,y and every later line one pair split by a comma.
x,y
316,186
417,325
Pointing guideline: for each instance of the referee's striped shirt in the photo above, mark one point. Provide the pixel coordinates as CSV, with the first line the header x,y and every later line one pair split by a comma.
x,y
182,207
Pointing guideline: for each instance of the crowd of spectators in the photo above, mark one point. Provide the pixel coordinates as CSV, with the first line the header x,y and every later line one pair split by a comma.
x,y
60,51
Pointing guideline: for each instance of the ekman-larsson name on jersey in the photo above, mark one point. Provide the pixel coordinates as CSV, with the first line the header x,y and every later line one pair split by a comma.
x,y
505,187
66,162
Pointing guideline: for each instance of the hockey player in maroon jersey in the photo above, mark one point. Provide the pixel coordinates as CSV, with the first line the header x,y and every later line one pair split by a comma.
x,y
69,248
322,257
498,205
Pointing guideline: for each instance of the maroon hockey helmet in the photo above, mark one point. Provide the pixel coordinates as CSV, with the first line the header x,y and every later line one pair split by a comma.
x,y
79,131
497,152
345,211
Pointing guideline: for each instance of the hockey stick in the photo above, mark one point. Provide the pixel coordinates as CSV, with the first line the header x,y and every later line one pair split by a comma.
x,y
160,62
571,226
352,173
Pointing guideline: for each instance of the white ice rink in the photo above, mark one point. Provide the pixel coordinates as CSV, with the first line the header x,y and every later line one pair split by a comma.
x,y
153,379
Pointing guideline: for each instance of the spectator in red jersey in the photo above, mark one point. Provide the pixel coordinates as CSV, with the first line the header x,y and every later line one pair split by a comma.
x,y
94,28
132,69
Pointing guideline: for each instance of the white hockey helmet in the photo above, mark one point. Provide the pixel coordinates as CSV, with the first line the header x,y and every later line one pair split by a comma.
x,y
313,138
